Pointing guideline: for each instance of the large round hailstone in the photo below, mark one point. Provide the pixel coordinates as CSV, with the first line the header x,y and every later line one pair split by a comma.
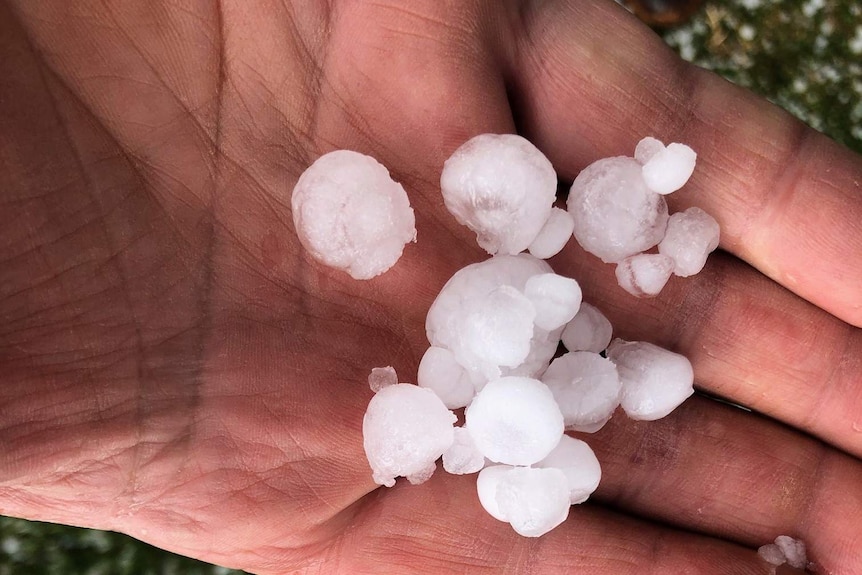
x,y
405,430
486,486
587,388
691,236
576,459
589,330
533,500
655,380
440,372
615,214
501,187
515,420
349,214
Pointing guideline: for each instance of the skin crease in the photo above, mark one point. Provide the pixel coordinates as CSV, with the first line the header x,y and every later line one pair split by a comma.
x,y
175,367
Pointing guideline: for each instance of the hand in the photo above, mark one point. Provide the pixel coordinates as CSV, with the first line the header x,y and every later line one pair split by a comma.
x,y
176,367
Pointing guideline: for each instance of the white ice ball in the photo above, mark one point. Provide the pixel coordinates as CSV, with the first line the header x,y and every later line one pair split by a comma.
x,y
554,235
690,237
406,428
589,330
555,298
515,420
350,215
615,214
586,387
440,372
644,275
655,380
533,500
647,148
463,457
669,169
576,459
501,187
486,487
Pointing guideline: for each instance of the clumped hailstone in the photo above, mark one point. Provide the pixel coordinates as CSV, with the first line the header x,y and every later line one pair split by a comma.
x,y
644,275
496,325
349,214
785,550
589,330
406,429
690,237
655,381
501,187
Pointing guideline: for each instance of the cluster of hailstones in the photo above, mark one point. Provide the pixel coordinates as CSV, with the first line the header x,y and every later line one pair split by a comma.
x,y
496,325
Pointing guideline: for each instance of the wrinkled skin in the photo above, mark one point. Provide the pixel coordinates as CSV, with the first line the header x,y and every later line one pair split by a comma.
x,y
175,367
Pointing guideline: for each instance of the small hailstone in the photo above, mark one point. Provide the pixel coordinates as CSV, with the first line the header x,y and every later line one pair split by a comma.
x,y
498,328
405,429
647,148
772,554
486,487
555,298
690,237
575,458
440,372
349,214
543,346
515,420
422,475
589,330
501,187
615,214
794,551
655,380
381,377
669,169
462,457
644,275
533,500
554,234
586,387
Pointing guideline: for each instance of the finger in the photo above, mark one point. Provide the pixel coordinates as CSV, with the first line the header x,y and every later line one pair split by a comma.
x,y
729,473
439,527
789,200
749,341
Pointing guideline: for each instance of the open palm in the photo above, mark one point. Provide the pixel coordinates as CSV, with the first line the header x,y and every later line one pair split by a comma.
x,y
174,366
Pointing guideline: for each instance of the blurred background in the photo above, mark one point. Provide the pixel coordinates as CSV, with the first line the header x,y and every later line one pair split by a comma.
x,y
803,55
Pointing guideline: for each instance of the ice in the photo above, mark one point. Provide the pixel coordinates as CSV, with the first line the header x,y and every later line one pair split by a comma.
x,y
554,235
440,372
498,328
586,387
655,380
381,377
405,429
555,298
614,212
515,420
543,346
690,237
589,330
423,474
462,457
468,290
349,214
669,169
501,187
772,554
533,500
647,148
644,275
794,551
578,462
486,486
